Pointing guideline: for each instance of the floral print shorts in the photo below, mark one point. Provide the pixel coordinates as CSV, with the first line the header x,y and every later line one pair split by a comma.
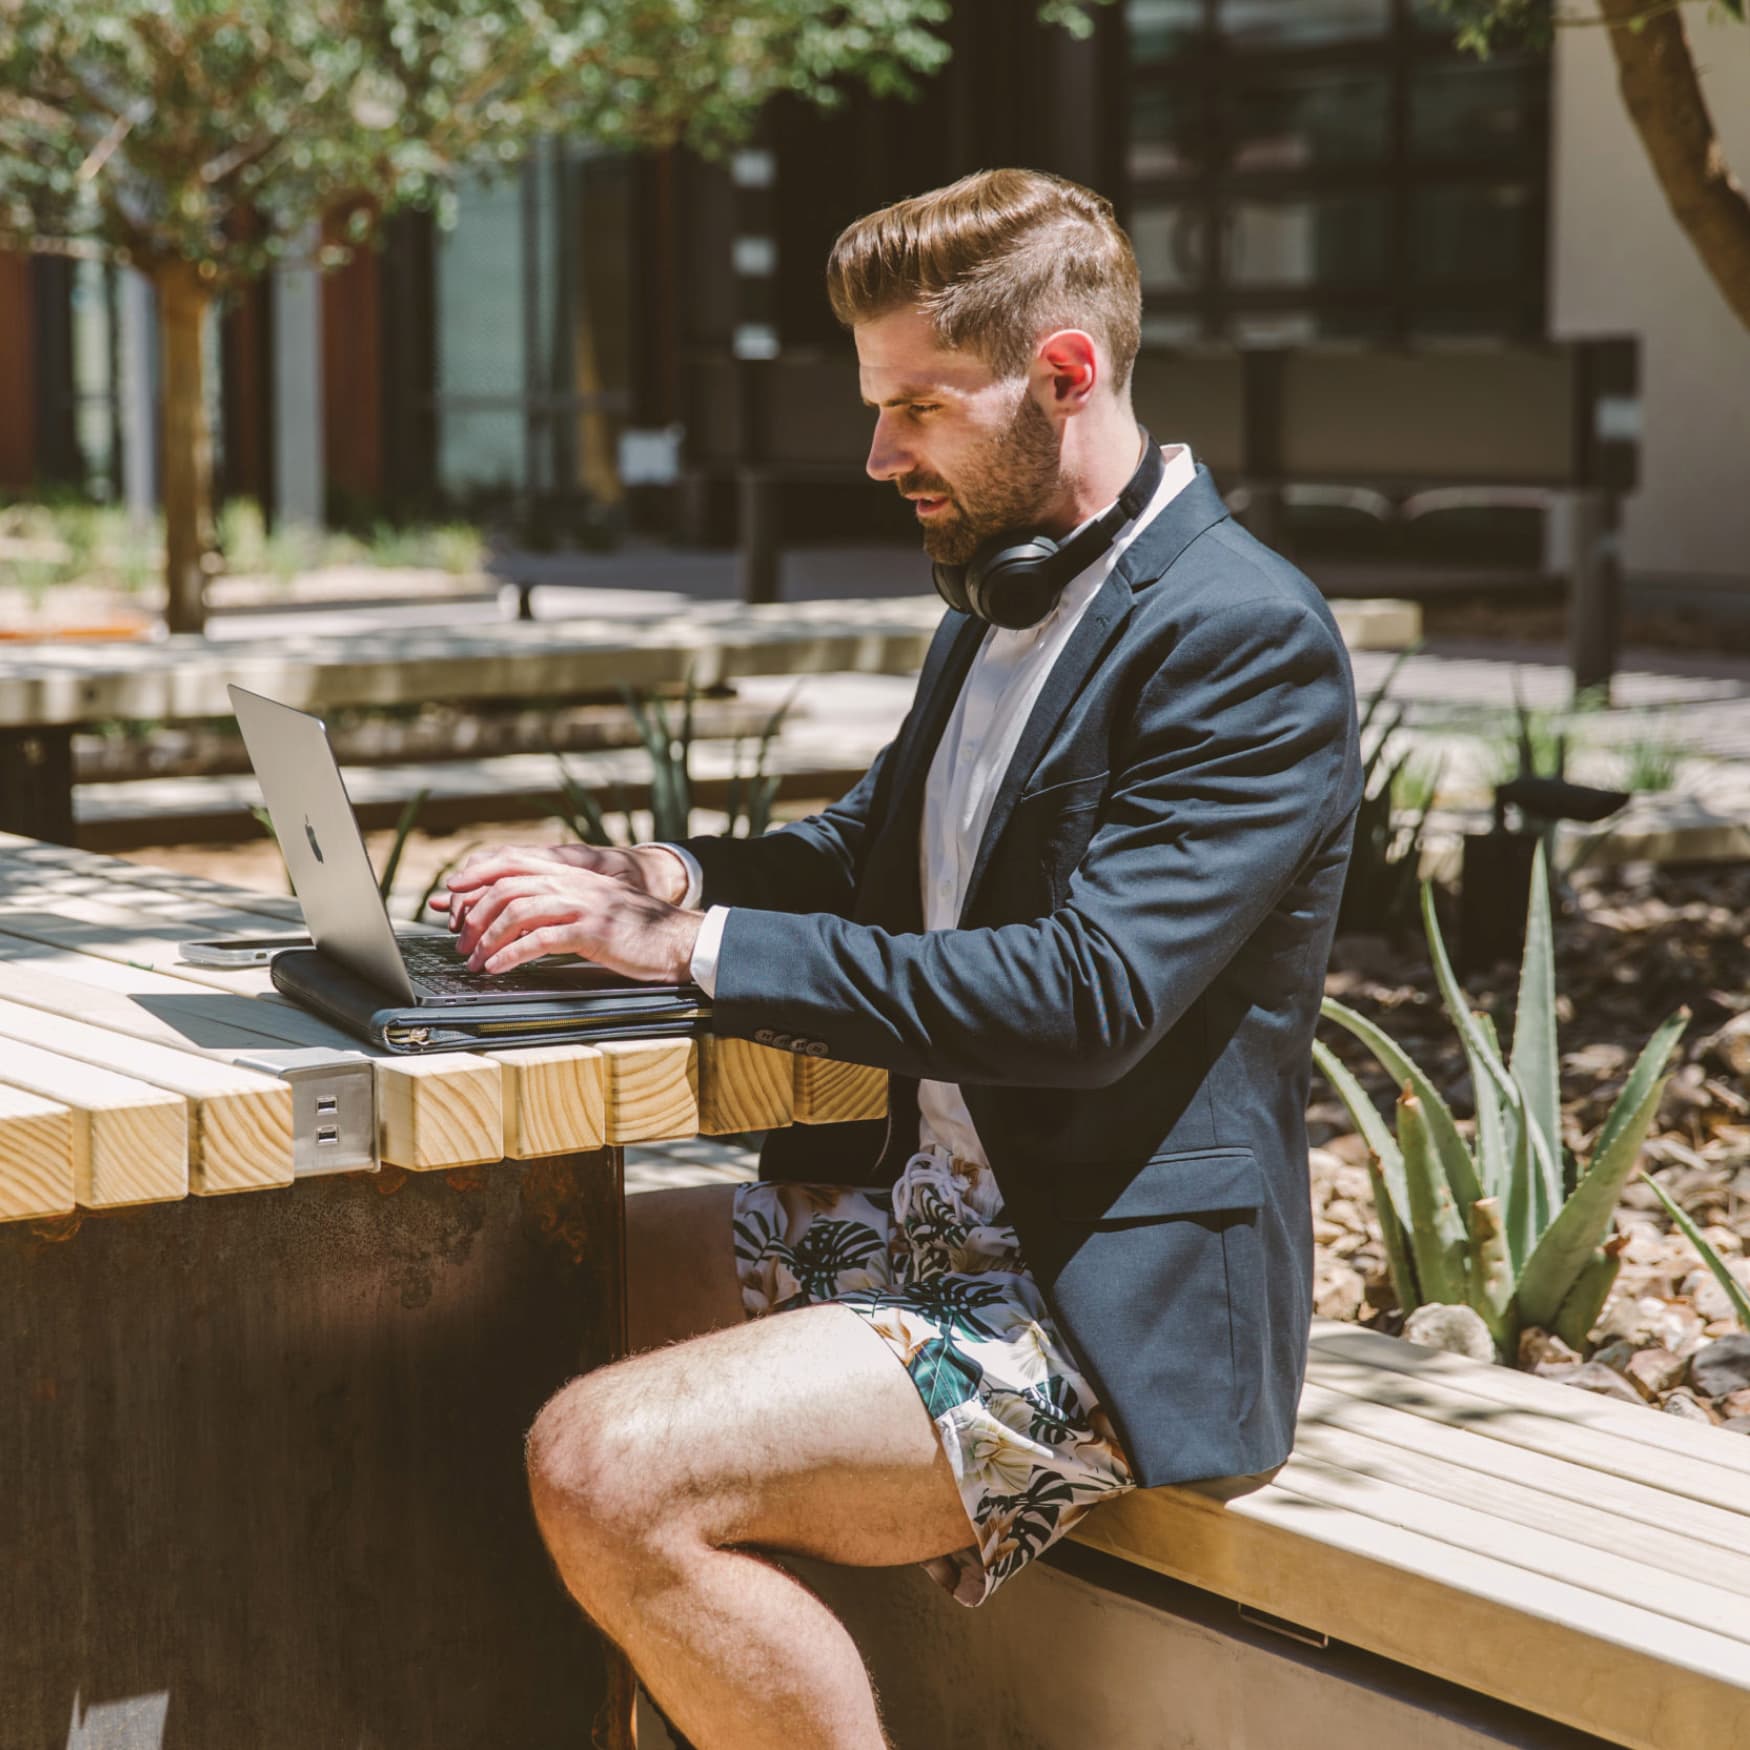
x,y
935,1270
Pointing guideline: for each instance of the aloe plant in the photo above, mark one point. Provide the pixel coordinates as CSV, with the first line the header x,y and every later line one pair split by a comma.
x,y
1507,1222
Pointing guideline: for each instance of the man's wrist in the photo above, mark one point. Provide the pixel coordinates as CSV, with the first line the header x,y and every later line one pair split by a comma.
x,y
687,925
667,874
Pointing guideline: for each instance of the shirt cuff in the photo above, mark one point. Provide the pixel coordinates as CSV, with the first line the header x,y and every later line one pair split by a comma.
x,y
689,901
707,948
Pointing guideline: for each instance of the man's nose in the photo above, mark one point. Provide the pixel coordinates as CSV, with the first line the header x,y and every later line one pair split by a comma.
x,y
888,456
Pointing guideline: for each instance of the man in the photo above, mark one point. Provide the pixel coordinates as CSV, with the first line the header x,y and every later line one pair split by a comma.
x,y
1079,909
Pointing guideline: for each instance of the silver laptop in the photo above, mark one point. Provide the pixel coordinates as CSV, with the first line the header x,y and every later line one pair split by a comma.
x,y
336,887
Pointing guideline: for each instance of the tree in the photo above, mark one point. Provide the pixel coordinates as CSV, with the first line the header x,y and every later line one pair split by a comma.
x,y
1663,95
199,140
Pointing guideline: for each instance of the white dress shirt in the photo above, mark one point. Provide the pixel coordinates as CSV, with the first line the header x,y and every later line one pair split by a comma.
x,y
998,695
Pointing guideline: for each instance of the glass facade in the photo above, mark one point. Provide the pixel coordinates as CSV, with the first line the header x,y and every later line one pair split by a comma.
x,y
533,314
1331,168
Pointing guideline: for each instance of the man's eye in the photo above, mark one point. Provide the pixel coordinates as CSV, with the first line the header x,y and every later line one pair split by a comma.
x,y
926,407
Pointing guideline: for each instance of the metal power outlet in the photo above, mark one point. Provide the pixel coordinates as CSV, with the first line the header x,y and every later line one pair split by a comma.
x,y
334,1111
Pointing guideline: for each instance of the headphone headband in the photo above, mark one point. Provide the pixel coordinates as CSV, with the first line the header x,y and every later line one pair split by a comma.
x,y
1014,579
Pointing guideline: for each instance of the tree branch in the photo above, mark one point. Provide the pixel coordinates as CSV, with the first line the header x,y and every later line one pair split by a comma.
x,y
1664,99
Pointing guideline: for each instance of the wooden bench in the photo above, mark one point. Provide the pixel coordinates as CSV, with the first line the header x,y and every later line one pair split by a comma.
x,y
48,691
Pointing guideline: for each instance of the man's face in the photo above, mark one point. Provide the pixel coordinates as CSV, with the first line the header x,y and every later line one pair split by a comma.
x,y
975,453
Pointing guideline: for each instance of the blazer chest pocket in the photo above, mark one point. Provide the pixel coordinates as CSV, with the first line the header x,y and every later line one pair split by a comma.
x,y
1052,827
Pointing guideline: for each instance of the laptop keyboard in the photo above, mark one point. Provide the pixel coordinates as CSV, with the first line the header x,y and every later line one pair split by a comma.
x,y
434,963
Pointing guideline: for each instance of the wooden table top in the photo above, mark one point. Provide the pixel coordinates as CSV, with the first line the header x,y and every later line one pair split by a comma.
x,y
119,1063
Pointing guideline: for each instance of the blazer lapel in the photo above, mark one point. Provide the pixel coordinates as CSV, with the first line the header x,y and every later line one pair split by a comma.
x,y
1099,626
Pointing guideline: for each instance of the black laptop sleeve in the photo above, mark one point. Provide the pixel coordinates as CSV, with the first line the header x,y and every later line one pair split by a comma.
x,y
632,1011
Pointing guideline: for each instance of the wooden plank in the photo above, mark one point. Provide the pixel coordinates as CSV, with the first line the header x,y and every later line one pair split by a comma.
x,y
130,1140
744,1086
36,1156
441,1111
834,1093
1537,1641
1630,1515
652,1089
1336,1470
179,678
1506,1404
555,1100
239,1121
18,852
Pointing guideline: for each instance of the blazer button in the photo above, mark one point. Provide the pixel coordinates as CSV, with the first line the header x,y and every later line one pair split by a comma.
x,y
814,1048
782,1041
763,1036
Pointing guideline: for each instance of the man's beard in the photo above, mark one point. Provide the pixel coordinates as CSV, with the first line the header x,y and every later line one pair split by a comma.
x,y
1002,488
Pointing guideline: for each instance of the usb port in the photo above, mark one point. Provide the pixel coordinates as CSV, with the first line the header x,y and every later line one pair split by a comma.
x,y
326,1134
327,1103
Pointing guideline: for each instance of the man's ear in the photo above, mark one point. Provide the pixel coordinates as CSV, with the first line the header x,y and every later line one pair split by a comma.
x,y
1067,368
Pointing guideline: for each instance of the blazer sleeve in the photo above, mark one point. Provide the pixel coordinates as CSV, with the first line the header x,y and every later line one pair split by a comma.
x,y
808,866
1240,761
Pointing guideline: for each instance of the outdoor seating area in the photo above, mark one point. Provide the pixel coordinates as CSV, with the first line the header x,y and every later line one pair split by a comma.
x,y
875,874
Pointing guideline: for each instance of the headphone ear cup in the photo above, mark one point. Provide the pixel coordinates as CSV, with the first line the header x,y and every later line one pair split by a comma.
x,y
950,581
1014,586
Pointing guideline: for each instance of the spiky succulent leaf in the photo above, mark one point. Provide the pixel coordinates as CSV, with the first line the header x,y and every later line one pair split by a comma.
x,y
1494,1145
1579,1311
1649,1066
1477,1044
1438,1241
1450,1148
1716,1264
1568,1242
1385,1168
1535,1060
1491,1272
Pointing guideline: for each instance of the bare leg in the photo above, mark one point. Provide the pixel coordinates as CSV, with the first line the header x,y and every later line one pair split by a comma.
x,y
660,1484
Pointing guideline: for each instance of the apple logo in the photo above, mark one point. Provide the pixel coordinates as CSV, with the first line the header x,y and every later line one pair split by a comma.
x,y
310,834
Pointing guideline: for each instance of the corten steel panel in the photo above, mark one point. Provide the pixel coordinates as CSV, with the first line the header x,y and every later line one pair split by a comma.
x,y
1194,398
352,376
263,1462
17,378
1451,415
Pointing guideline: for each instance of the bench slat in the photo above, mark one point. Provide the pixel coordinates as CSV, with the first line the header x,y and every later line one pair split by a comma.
x,y
130,1140
1348,1474
1632,1676
744,1086
652,1089
1621,1439
240,1122
1668,1529
36,1156
555,1100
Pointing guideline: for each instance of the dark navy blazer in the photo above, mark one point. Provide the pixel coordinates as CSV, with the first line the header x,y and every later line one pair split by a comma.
x,y
1129,1000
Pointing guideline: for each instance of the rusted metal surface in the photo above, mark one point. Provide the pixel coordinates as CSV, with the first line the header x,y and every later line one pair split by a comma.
x,y
262,1465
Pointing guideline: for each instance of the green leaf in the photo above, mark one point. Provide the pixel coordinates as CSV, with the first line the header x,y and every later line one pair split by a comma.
x,y
1494,1149
1385,1168
1478,1045
1535,1063
1651,1064
1716,1264
410,814
1568,1242
1437,1232
1579,1311
1449,1145
1491,1273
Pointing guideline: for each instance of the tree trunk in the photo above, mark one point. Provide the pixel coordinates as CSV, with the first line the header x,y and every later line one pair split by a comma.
x,y
183,302
1665,102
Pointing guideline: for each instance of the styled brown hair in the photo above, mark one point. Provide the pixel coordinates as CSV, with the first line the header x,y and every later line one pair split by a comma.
x,y
995,260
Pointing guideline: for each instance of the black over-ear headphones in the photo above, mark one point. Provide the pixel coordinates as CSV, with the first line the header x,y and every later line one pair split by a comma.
x,y
1014,578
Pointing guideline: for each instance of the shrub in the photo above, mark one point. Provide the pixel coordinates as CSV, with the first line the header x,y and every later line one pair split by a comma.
x,y
1510,1224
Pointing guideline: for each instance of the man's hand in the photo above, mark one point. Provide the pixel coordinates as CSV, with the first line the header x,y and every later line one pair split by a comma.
x,y
515,906
647,868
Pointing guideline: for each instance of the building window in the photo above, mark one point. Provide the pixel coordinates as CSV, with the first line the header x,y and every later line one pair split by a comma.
x,y
1332,169
533,327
